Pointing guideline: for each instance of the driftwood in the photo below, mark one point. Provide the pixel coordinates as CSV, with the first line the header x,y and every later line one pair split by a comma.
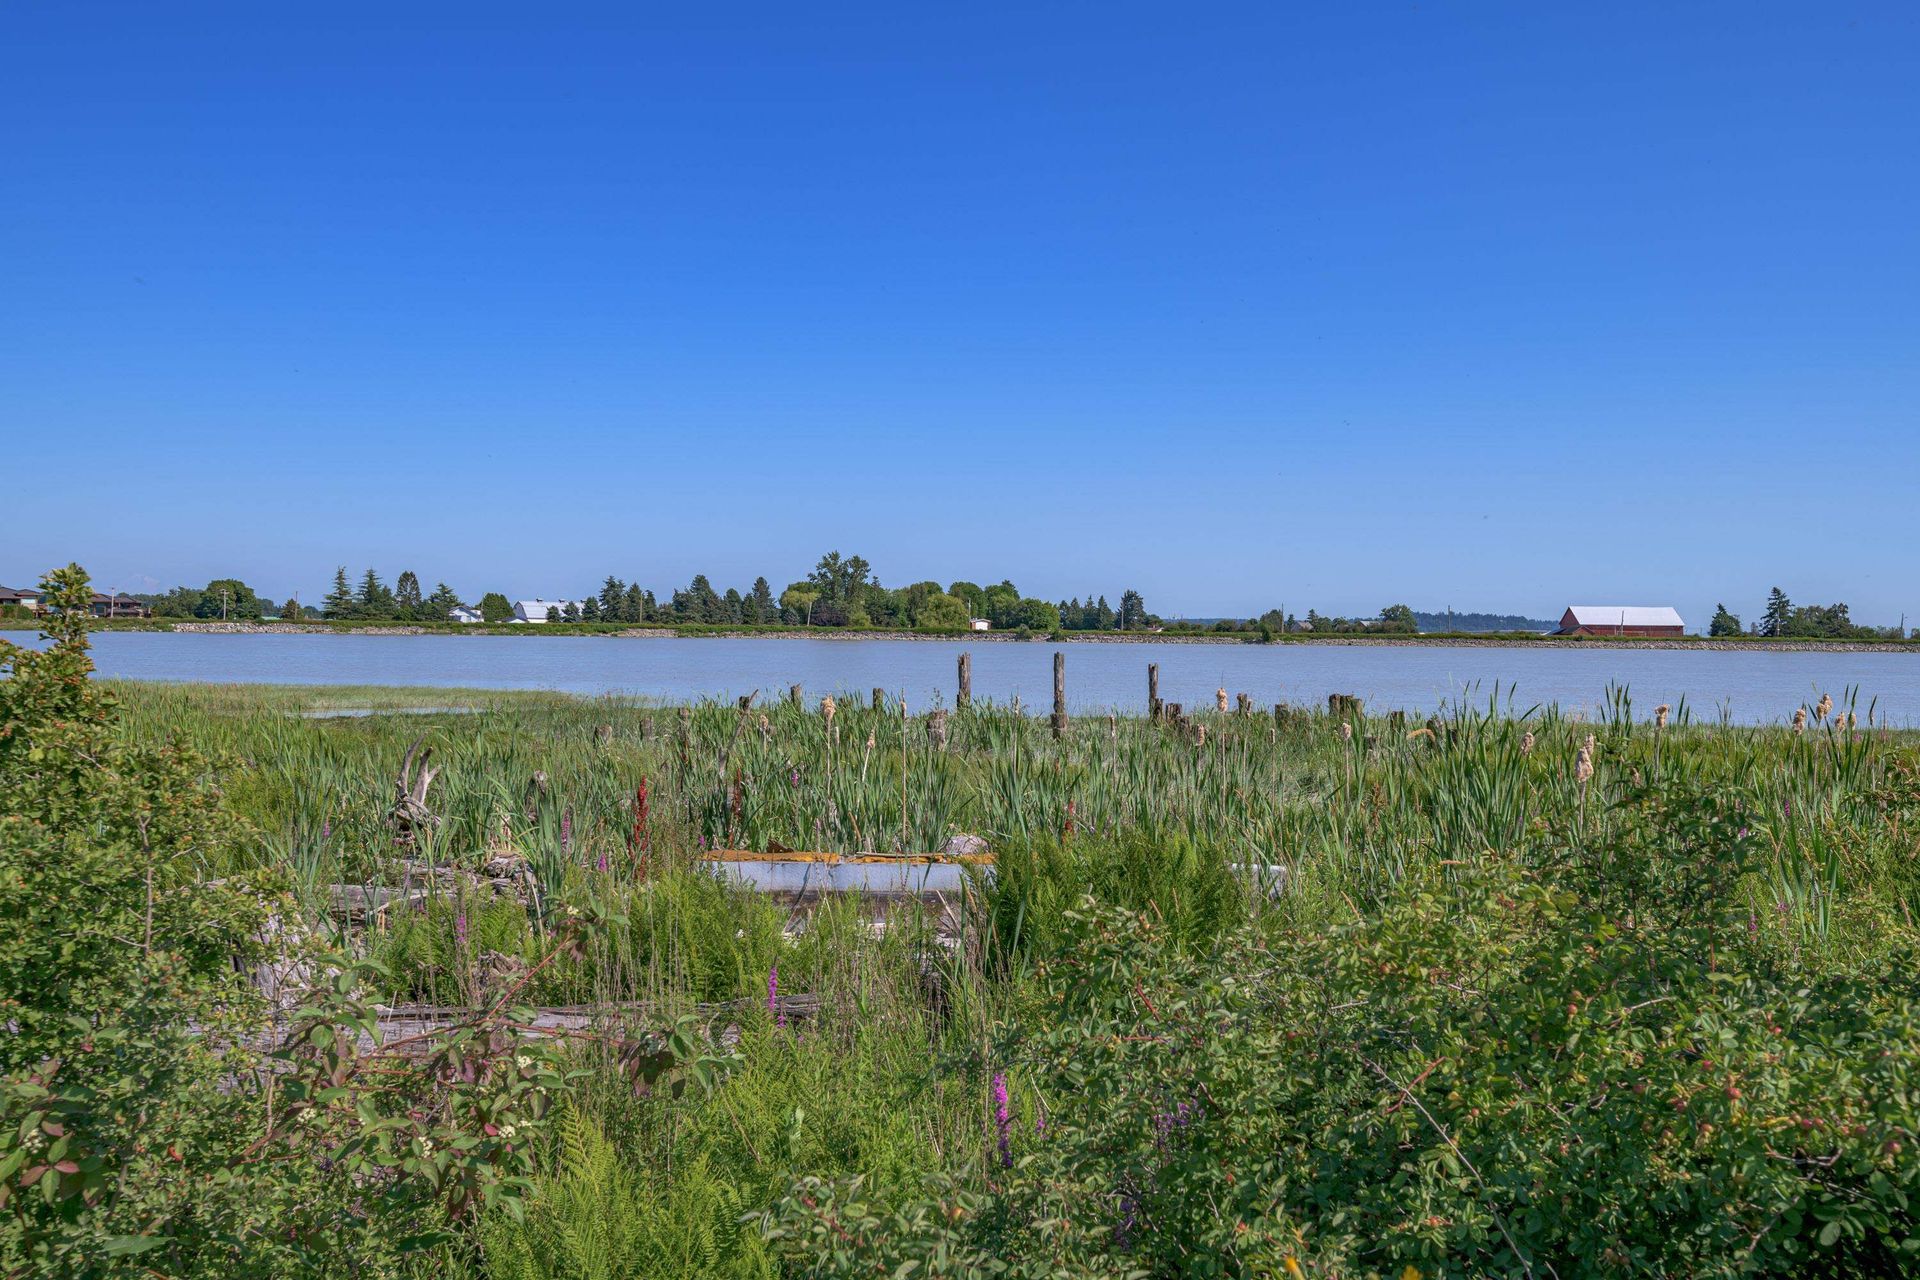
x,y
412,1026
358,904
410,815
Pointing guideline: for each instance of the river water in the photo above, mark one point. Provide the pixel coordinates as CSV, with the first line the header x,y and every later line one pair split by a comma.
x,y
1747,687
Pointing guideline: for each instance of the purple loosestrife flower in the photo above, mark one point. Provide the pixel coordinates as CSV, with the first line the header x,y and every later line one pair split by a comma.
x,y
1129,1217
460,928
1002,1118
326,829
566,831
773,996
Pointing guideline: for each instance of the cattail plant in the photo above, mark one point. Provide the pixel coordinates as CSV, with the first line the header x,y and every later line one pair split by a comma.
x,y
1220,701
1526,743
1799,719
1660,715
1822,708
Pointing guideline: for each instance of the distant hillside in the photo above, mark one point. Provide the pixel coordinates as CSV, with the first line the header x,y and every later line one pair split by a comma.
x,y
1481,622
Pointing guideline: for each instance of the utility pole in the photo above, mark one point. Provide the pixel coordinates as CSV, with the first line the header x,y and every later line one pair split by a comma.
x,y
225,594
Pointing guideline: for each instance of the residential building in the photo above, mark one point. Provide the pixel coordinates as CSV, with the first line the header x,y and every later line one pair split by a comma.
x,y
117,606
464,613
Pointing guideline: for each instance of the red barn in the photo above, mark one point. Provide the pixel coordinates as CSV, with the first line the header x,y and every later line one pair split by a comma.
x,y
1621,620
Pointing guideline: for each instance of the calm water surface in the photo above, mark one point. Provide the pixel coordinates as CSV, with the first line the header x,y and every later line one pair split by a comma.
x,y
1754,687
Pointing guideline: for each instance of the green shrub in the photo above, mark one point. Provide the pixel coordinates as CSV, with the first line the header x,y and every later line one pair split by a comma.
x,y
1588,1067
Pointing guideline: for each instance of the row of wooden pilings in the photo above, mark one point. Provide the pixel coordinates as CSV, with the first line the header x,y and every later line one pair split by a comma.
x,y
1338,704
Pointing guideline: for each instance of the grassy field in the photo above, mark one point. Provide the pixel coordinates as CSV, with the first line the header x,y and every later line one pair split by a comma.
x,y
1187,855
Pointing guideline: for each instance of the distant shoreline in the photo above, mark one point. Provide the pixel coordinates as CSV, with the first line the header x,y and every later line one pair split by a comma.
x,y
1501,640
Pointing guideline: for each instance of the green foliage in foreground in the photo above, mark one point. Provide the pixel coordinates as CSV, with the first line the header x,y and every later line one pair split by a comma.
x,y
1500,994
1593,1066
149,1123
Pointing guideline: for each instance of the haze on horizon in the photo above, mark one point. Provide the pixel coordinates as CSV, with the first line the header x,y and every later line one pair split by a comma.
x,y
1501,308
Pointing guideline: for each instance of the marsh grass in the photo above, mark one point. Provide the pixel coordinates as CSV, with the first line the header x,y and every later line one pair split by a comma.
x,y
890,1079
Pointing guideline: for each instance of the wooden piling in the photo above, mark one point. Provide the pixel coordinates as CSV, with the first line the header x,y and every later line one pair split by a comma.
x,y
1059,693
1153,691
793,694
963,697
1243,704
879,698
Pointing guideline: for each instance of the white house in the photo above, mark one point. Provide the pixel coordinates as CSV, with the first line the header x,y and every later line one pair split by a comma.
x,y
979,624
537,610
464,613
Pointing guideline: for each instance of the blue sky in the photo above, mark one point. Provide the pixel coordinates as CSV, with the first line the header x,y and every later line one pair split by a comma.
x,y
1496,306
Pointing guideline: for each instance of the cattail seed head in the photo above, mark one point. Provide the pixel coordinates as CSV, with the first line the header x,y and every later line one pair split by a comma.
x,y
828,708
1660,716
1583,766
1220,700
1799,719
1822,707
1526,743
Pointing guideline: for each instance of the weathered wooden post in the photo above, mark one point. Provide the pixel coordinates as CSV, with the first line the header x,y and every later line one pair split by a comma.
x,y
1153,691
793,694
1059,693
879,698
1243,703
964,697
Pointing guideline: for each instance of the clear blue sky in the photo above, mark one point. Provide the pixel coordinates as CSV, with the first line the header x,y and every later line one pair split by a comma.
x,y
1497,306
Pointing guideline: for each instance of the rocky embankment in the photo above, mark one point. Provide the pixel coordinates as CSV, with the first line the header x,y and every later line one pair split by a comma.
x,y
290,629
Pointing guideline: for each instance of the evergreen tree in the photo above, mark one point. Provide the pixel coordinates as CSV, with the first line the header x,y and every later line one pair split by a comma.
x,y
590,609
1724,623
339,602
734,606
613,594
1133,611
764,609
1104,618
1779,613
441,603
406,595
374,599
634,607
571,613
